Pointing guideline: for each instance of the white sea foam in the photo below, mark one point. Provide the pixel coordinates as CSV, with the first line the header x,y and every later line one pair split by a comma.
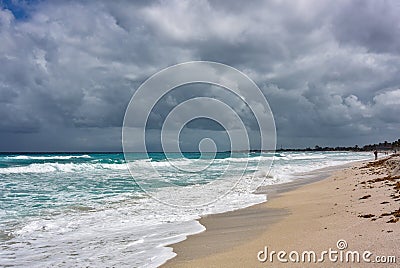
x,y
60,167
135,233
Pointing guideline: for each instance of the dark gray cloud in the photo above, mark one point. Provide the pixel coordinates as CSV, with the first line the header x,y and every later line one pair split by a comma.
x,y
373,25
68,69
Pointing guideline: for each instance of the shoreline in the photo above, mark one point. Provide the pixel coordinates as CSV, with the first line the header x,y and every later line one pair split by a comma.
x,y
293,209
210,222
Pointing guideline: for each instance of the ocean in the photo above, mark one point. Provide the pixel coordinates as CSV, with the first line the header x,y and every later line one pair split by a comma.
x,y
89,210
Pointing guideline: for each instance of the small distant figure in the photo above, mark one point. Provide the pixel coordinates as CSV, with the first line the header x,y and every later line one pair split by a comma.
x,y
376,154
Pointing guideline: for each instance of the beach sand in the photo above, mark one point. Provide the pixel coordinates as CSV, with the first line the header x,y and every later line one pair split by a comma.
x,y
359,204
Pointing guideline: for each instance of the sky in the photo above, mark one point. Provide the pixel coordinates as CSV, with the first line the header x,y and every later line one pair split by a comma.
x,y
329,69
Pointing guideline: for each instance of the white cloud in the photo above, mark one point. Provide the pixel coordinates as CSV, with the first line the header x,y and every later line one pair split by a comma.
x,y
388,98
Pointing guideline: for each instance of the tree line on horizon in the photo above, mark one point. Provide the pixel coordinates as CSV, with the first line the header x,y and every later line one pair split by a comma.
x,y
395,145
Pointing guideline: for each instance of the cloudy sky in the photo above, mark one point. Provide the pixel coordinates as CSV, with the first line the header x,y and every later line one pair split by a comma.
x,y
329,69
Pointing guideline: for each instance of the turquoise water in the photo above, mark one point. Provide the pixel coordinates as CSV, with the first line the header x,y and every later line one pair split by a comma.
x,y
89,210
33,184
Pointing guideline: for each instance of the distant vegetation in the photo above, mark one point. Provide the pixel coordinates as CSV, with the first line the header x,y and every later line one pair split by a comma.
x,y
370,147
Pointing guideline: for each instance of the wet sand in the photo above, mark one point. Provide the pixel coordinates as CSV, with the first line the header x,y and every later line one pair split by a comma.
x,y
358,203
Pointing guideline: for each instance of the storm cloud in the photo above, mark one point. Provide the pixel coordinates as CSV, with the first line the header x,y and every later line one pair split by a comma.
x,y
329,69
